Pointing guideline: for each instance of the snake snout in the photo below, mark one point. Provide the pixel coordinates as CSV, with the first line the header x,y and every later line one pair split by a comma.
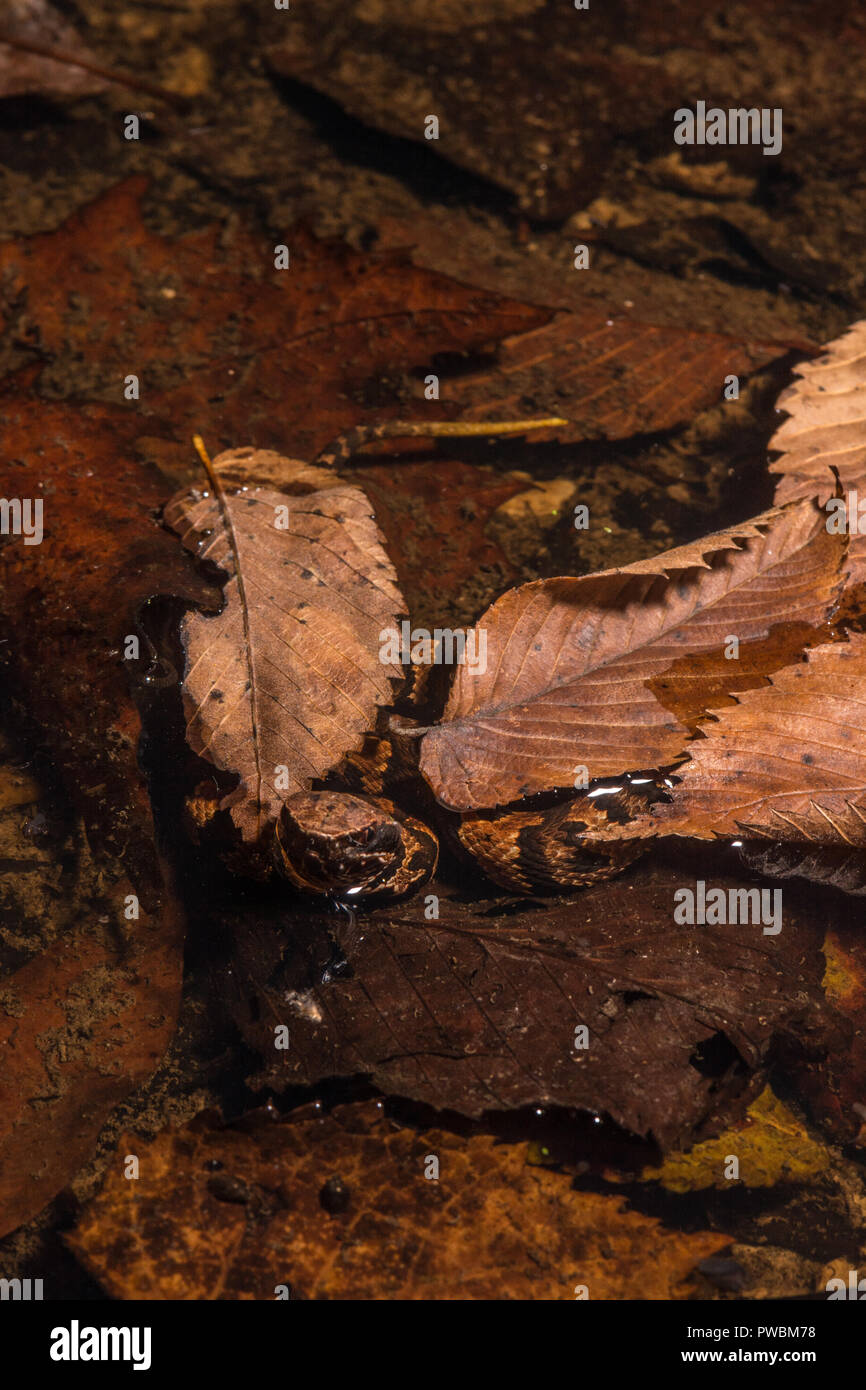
x,y
331,843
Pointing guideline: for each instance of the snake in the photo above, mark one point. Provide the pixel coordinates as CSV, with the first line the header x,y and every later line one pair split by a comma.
x,y
360,846
351,840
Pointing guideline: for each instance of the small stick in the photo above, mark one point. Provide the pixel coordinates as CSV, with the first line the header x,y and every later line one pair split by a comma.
x,y
345,445
199,446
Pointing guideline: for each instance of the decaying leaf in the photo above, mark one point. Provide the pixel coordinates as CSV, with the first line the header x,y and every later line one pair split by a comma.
x,y
621,1011
835,1086
770,1143
826,430
786,763
287,678
604,372
392,69
29,31
350,1205
89,1019
573,666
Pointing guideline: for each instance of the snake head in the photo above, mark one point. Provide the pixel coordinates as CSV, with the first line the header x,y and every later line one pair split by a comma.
x,y
333,844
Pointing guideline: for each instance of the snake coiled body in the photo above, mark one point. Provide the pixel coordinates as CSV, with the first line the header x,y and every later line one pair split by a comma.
x,y
359,845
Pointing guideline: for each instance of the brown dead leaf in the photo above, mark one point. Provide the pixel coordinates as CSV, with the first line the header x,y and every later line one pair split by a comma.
x,y
337,1206
479,1009
605,372
573,665
24,71
338,339
288,674
835,1086
786,763
90,1019
826,430
94,1012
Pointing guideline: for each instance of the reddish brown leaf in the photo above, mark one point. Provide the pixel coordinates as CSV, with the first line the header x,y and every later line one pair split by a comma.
x,y
338,1206
83,1024
66,607
299,355
612,376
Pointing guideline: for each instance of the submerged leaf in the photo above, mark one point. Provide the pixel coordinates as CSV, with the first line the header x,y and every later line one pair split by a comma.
x,y
352,1205
614,1008
286,679
572,665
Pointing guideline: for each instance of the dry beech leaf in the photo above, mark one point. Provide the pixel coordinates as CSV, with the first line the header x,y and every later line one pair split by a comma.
x,y
826,429
573,665
786,763
339,1206
288,674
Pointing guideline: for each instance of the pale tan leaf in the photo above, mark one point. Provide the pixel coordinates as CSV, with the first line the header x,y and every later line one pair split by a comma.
x,y
826,429
572,665
288,674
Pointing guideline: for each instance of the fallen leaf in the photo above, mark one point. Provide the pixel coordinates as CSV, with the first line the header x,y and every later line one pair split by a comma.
x,y
289,674
483,1008
786,763
24,72
770,1144
605,372
834,1087
96,1010
300,356
826,409
571,663
82,1025
343,1206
